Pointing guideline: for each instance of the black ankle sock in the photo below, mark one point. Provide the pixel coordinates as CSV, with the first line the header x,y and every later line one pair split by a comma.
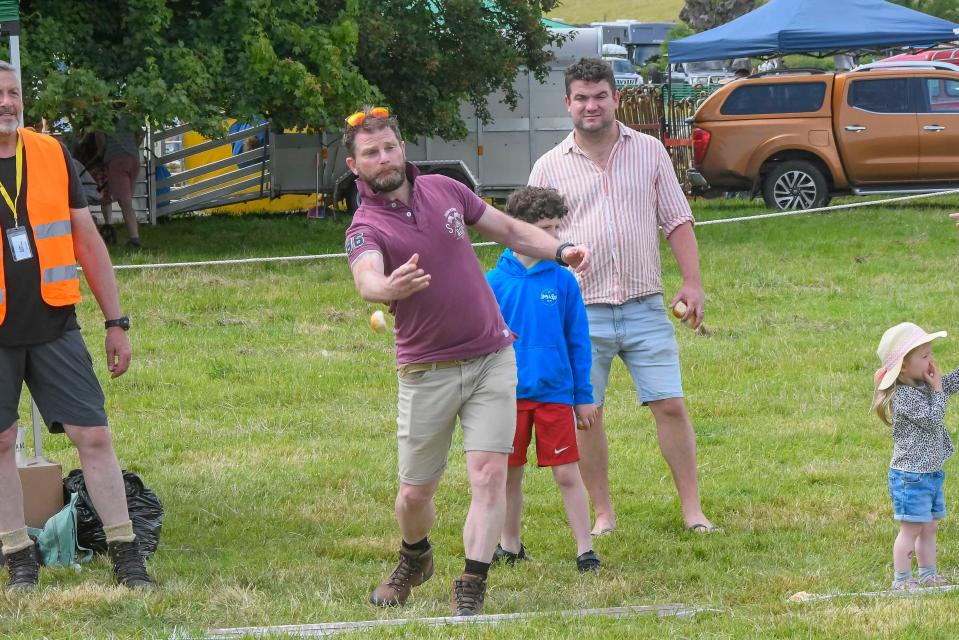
x,y
477,568
422,545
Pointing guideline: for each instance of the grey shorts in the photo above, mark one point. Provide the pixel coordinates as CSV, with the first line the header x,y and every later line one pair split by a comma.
x,y
481,391
60,377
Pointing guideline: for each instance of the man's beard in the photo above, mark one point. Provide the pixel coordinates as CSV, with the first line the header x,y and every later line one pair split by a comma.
x,y
387,181
7,126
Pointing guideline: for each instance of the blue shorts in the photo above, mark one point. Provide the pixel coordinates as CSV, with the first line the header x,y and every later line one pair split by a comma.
x,y
917,497
640,333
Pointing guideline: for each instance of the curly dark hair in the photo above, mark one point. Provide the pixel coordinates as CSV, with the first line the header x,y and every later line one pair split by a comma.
x,y
532,204
590,70
370,124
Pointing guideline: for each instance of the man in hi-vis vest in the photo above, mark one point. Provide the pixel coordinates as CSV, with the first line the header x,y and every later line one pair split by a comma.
x,y
47,231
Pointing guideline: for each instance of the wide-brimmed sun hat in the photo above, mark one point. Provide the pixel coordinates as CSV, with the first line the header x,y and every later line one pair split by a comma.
x,y
896,343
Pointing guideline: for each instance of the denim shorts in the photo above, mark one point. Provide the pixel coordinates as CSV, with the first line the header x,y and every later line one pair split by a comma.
x,y
917,497
640,333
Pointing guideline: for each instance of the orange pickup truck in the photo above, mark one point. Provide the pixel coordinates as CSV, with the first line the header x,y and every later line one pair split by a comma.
x,y
799,137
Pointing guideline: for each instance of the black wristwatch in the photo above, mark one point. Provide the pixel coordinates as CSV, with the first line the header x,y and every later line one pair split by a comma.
x,y
123,322
559,253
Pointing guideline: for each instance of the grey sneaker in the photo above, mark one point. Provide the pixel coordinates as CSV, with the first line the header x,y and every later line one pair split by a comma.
x,y
508,557
128,566
469,592
909,584
935,580
24,569
413,569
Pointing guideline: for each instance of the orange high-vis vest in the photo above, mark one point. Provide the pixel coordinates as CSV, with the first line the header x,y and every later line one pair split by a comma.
x,y
48,208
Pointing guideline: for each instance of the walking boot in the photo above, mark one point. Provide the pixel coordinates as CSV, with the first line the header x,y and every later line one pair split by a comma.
x,y
128,566
469,591
24,569
414,568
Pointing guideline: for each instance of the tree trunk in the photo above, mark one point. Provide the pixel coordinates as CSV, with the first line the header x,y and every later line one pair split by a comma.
x,y
701,15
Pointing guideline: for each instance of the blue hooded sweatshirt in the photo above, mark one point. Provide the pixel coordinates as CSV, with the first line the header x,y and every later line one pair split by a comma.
x,y
544,307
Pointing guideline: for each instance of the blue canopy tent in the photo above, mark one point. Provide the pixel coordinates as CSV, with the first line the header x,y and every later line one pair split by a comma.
x,y
800,26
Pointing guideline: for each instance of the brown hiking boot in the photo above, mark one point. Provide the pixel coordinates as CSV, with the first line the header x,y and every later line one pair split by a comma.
x,y
24,569
469,591
128,566
414,568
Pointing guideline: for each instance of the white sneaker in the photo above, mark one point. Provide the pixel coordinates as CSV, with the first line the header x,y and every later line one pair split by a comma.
x,y
935,580
909,584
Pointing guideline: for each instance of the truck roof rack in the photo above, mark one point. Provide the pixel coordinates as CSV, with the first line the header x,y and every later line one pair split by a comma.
x,y
786,72
909,64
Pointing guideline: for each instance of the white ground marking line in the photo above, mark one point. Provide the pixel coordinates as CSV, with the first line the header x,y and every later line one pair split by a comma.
x,y
330,628
326,256
803,597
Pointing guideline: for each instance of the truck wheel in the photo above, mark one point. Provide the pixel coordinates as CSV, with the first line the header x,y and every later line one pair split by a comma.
x,y
795,184
352,196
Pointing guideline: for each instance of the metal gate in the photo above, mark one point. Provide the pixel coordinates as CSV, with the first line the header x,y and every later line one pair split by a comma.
x,y
236,178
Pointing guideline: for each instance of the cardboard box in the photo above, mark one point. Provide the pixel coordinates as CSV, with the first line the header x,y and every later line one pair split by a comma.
x,y
42,482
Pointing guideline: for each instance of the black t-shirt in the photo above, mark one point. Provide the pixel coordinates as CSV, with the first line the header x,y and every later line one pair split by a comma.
x,y
29,319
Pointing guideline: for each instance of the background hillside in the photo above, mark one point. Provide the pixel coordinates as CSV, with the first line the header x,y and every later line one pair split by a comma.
x,y
586,11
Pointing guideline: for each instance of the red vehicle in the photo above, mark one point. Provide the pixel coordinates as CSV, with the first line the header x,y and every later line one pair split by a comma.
x,y
942,97
940,55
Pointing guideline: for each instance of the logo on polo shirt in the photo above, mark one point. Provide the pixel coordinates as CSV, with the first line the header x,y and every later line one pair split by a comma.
x,y
548,297
455,224
354,242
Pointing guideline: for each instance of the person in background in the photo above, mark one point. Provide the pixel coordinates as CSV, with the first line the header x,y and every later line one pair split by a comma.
x,y
622,190
911,396
542,304
120,152
652,72
48,233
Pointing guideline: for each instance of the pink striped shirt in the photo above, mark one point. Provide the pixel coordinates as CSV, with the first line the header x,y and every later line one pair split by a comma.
x,y
615,212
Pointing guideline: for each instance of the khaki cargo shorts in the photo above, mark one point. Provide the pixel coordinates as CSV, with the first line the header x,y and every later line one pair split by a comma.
x,y
480,391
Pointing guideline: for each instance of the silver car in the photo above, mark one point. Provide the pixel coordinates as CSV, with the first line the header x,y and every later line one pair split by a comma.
x,y
624,72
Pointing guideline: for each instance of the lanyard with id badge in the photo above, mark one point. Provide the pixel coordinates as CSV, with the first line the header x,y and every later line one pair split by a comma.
x,y
17,238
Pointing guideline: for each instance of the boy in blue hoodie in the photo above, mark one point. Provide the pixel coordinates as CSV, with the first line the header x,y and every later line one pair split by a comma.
x,y
542,304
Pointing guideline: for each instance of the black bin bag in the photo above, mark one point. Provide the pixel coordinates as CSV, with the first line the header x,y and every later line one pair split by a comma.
x,y
146,512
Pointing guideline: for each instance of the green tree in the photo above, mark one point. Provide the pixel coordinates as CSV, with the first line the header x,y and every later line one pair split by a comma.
x,y
945,9
702,15
426,57
302,63
190,60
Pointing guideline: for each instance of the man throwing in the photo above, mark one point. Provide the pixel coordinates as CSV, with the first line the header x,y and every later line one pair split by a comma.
x,y
409,248
620,186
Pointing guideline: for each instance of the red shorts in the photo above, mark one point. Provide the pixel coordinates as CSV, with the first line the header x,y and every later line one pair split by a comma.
x,y
555,433
122,172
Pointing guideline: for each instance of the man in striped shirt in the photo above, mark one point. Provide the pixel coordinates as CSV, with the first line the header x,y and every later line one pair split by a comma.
x,y
620,187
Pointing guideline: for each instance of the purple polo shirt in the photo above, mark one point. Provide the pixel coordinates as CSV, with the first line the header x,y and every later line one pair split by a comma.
x,y
456,317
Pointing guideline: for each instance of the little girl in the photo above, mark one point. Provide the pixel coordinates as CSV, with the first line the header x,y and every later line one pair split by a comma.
x,y
909,383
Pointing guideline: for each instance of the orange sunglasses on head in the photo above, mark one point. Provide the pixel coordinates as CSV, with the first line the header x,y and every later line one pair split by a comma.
x,y
357,118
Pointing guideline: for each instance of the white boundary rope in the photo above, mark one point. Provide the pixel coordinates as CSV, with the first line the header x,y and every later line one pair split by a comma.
x,y
326,629
326,256
854,205
803,597
205,263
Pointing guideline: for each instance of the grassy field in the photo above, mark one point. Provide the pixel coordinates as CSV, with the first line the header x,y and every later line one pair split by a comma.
x,y
260,407
586,11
